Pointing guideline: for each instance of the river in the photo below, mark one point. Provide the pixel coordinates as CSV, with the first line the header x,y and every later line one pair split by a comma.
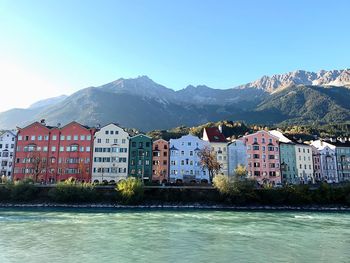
x,y
87,235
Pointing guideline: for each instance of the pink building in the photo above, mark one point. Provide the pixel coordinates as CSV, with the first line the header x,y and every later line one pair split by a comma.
x,y
263,157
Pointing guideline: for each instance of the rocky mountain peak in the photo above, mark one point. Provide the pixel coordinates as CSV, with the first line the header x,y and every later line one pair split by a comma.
x,y
300,77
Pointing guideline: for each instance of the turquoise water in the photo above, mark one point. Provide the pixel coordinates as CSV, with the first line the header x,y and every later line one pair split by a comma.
x,y
172,236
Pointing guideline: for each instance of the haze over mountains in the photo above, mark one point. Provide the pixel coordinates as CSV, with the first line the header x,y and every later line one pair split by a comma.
x,y
294,97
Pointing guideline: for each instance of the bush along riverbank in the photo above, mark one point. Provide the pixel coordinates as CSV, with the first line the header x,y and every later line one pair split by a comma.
x,y
226,193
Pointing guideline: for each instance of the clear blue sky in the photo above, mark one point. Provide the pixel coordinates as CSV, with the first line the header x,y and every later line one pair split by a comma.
x,y
52,47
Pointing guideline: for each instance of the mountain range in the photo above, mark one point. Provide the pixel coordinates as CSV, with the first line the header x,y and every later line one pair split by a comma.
x,y
292,98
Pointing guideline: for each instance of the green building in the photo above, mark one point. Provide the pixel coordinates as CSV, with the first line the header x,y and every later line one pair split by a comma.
x,y
288,163
140,157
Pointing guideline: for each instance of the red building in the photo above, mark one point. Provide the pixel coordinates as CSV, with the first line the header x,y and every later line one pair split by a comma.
x,y
51,154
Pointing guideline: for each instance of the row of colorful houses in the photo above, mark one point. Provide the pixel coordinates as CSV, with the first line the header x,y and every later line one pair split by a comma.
x,y
51,154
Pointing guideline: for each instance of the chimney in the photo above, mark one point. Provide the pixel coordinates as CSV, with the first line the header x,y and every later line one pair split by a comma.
x,y
42,121
58,125
220,128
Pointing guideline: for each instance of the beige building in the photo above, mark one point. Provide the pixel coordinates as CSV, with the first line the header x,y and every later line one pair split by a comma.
x,y
110,156
218,144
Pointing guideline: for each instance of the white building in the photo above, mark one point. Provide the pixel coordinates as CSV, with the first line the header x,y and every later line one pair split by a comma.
x,y
185,163
304,163
218,144
237,155
110,155
7,152
328,160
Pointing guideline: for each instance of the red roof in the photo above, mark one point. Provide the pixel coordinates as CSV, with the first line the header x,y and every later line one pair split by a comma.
x,y
214,135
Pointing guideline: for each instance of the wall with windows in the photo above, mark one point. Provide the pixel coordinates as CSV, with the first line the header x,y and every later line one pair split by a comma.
x,y
110,154
160,161
7,150
328,161
184,160
51,154
304,164
263,157
289,170
140,157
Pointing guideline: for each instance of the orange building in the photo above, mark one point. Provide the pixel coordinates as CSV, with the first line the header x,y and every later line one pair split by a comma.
x,y
160,168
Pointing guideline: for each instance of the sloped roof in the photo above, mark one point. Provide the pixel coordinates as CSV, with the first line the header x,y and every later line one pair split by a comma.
x,y
338,143
214,135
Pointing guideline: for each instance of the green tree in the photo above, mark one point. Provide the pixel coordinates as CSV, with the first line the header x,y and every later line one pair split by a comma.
x,y
240,172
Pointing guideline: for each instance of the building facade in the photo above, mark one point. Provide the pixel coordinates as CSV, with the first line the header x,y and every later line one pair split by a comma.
x,y
263,157
185,165
110,154
160,163
237,155
218,144
304,163
328,161
288,163
343,158
51,154
7,152
140,157
316,161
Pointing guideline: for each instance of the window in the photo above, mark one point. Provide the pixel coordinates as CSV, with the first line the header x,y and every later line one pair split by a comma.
x,y
69,137
45,149
20,137
88,137
123,140
76,137
54,137
88,149
82,137
32,137
107,140
255,148
62,137
106,132
61,148
53,148
40,138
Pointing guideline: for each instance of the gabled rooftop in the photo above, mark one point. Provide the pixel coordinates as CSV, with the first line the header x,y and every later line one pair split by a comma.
x,y
213,134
